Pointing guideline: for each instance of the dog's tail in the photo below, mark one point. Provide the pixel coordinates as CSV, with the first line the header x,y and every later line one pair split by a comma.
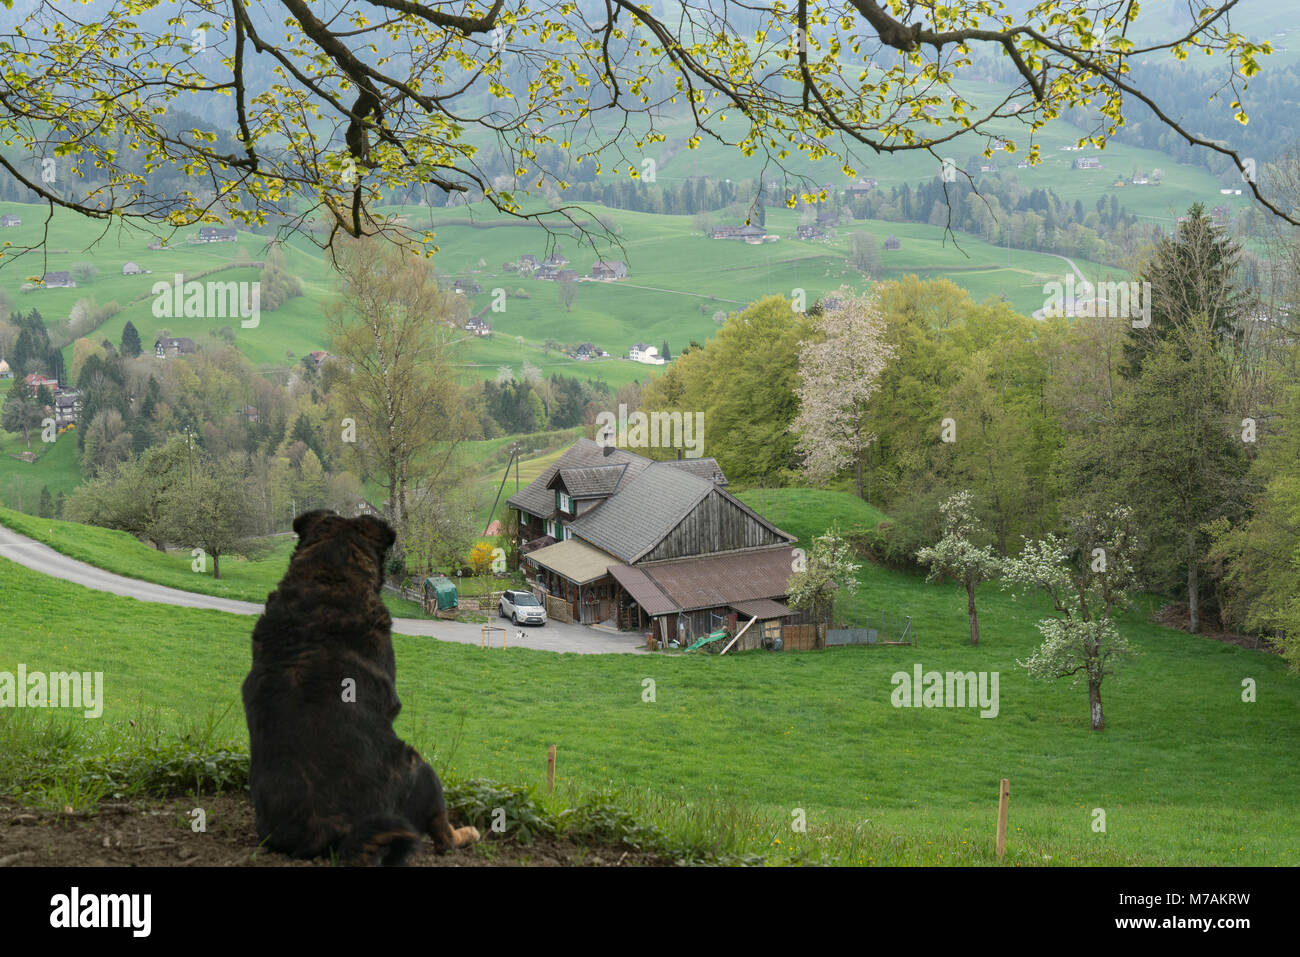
x,y
386,839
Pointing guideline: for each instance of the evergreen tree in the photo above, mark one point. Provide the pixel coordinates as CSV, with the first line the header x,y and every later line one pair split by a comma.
x,y
130,341
1197,272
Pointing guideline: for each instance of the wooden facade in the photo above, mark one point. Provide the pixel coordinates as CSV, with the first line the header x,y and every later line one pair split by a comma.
x,y
714,525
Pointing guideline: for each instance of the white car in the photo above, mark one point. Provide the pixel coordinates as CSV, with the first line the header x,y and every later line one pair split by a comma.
x,y
522,607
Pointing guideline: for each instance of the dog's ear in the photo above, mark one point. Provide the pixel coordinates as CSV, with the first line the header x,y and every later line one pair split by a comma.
x,y
307,524
378,532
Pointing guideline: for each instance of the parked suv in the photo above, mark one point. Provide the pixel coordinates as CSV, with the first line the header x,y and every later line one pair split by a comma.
x,y
522,607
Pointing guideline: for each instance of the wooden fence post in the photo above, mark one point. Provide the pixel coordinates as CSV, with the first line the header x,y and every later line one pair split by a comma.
x,y
1004,797
550,770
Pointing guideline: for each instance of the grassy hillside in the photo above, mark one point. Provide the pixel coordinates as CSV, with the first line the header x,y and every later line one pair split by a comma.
x,y
678,278
737,744
241,579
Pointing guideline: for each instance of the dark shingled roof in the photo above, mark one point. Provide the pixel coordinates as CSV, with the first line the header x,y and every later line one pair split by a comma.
x,y
704,468
647,507
585,454
594,482
538,499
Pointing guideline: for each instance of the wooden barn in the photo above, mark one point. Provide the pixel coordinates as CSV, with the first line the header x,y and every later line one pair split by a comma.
x,y
608,536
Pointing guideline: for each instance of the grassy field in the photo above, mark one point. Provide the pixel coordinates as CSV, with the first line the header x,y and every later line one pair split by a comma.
x,y
56,466
735,747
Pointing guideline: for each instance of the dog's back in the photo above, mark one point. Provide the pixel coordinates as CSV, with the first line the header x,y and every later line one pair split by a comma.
x,y
325,764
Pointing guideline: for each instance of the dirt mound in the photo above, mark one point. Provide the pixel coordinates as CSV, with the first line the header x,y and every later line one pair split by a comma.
x,y
158,834
1176,616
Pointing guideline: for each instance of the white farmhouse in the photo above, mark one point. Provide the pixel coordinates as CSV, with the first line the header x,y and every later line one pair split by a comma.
x,y
644,353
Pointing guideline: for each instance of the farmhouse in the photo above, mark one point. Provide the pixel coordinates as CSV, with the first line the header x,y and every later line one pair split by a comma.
x,y
1087,162
862,187
644,353
67,408
567,275
58,280
170,348
749,234
35,380
10,220
217,234
131,269
528,262
548,271
319,357
893,242
810,232
466,287
610,536
477,327
5,371
555,259
607,269
587,351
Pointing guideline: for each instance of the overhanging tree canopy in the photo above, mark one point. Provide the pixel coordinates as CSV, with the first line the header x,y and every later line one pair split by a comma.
x,y
322,104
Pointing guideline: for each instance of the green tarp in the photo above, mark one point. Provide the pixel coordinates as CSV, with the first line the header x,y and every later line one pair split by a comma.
x,y
709,639
444,590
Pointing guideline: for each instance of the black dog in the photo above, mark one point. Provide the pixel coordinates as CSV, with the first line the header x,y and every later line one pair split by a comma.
x,y
327,772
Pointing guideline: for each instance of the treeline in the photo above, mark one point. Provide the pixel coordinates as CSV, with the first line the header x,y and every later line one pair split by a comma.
x,y
1006,213
513,405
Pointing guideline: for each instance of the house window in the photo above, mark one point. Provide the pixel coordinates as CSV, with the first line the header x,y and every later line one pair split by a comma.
x,y
563,502
567,534
524,517
550,528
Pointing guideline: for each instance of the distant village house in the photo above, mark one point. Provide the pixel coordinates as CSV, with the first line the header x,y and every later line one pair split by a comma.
x,y
217,234
170,348
607,269
645,353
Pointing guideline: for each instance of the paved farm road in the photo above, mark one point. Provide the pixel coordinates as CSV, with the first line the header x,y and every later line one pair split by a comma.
x,y
553,636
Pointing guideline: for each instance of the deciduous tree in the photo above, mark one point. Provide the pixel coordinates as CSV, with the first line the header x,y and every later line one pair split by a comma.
x,y
1087,575
839,372
957,555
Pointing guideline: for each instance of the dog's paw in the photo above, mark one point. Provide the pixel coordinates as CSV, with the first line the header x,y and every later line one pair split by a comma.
x,y
465,836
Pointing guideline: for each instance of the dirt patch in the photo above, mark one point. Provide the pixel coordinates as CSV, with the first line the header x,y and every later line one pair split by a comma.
x,y
1176,616
157,833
